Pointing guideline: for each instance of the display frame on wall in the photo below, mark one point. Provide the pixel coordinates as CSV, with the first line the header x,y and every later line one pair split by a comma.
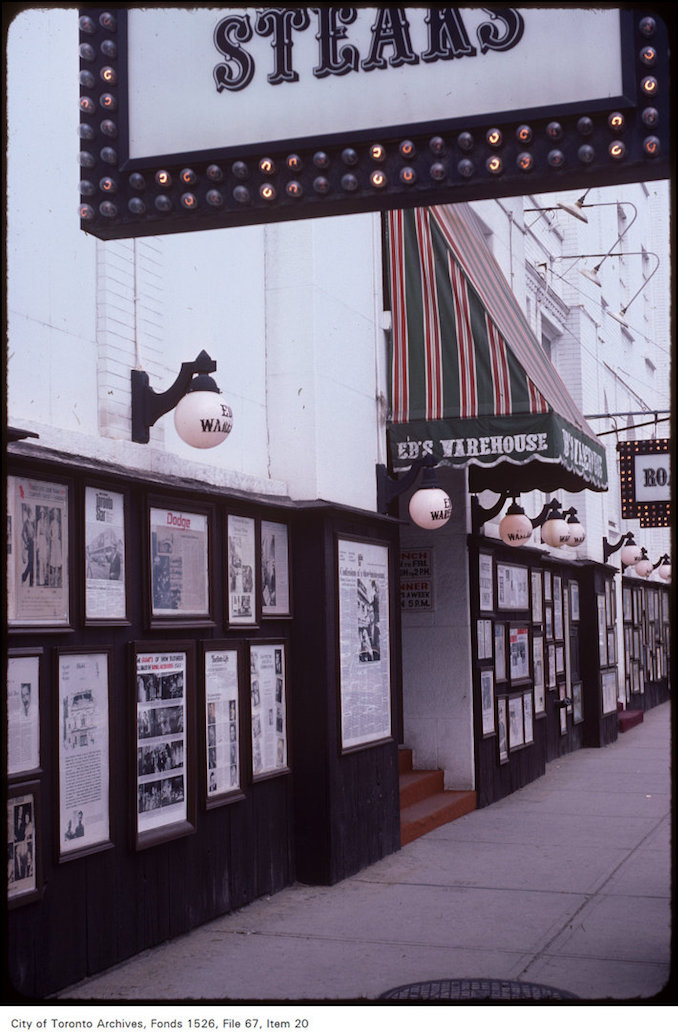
x,y
24,710
537,596
243,549
608,691
548,620
502,730
486,678
39,530
164,692
519,652
365,703
225,722
516,726
276,567
552,682
105,585
513,591
484,639
269,708
558,625
548,586
175,534
24,794
84,751
528,716
485,582
574,601
538,675
500,674
602,629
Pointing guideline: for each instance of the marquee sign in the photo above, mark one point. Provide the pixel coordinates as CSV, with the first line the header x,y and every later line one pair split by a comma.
x,y
645,479
203,117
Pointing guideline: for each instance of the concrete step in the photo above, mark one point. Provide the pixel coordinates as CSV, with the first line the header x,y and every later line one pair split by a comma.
x,y
629,718
417,785
434,811
404,759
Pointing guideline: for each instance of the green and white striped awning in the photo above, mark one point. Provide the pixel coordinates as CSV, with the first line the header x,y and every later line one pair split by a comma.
x,y
470,383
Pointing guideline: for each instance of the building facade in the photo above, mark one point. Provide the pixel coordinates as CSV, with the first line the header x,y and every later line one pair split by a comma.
x,y
212,656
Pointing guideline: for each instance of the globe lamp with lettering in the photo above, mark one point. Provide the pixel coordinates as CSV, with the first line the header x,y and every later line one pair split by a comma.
x,y
515,527
430,507
555,531
201,418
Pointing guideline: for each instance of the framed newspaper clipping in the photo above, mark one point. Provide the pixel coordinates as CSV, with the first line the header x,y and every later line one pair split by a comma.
x,y
268,703
364,642
179,543
223,670
164,743
84,752
243,593
23,711
487,701
38,582
105,556
275,570
23,842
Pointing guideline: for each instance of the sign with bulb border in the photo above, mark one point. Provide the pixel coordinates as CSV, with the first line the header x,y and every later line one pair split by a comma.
x,y
645,481
207,117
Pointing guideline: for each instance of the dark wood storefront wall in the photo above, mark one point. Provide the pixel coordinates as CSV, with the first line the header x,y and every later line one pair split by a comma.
x,y
516,590
346,802
323,818
646,614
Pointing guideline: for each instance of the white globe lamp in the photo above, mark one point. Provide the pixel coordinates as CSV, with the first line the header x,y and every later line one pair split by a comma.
x,y
643,567
664,569
430,507
515,527
577,532
202,419
555,530
631,554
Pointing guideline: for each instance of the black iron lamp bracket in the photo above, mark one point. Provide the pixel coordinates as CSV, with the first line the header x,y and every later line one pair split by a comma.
x,y
149,405
479,515
390,487
608,550
549,507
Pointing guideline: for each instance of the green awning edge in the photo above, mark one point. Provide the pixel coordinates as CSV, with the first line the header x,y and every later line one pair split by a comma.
x,y
521,453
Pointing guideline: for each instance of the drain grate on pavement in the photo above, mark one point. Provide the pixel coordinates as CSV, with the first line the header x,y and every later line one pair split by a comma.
x,y
476,990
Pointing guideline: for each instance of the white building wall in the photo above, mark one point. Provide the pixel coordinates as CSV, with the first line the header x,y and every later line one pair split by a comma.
x,y
291,313
436,658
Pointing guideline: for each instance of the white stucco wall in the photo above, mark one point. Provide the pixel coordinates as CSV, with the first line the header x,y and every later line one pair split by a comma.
x,y
290,312
437,678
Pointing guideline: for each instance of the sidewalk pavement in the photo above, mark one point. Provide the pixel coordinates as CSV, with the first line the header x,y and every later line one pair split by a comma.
x,y
566,883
